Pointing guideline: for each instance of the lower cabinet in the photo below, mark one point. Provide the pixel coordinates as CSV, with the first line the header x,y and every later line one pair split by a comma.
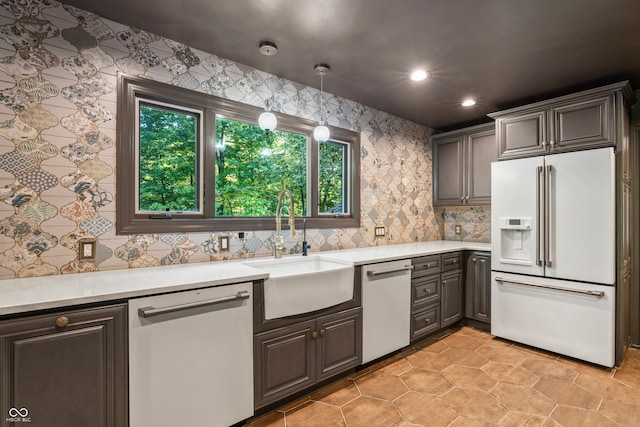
x,y
478,286
66,368
451,300
292,358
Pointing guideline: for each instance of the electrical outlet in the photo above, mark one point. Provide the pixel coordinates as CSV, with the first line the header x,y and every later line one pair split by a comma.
x,y
223,243
87,249
458,229
380,232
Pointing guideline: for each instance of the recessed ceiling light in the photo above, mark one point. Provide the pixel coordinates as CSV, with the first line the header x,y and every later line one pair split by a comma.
x,y
418,75
468,103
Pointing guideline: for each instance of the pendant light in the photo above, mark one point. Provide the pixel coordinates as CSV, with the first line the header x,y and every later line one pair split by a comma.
x,y
321,132
267,120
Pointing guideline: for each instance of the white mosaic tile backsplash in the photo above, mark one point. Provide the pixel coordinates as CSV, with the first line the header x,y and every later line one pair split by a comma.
x,y
58,68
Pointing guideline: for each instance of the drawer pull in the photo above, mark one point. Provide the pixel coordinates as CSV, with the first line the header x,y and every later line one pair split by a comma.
x,y
62,321
427,320
427,291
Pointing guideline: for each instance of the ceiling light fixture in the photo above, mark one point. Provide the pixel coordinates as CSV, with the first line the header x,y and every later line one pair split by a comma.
x,y
267,120
468,103
419,75
321,132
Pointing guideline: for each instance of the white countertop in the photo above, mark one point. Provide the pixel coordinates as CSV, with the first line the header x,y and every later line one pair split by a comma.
x,y
40,293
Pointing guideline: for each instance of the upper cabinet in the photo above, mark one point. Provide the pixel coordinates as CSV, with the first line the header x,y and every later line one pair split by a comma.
x,y
575,122
462,166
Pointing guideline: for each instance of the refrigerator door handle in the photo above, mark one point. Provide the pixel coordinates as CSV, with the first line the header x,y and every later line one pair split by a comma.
x,y
547,216
538,214
598,294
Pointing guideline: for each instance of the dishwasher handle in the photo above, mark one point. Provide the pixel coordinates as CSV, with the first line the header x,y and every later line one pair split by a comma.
x,y
372,273
152,311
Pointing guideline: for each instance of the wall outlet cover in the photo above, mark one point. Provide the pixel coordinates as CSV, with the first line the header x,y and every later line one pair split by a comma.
x,y
223,243
380,232
458,229
87,249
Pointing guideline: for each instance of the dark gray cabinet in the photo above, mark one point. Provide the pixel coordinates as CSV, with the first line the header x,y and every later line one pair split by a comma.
x,y
294,357
462,166
478,286
575,122
451,301
66,368
436,293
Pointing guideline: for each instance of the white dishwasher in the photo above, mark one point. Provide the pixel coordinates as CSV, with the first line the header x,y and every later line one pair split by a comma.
x,y
386,308
191,357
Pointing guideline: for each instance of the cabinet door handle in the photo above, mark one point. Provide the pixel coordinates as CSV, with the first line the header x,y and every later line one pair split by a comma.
x,y
314,335
462,199
474,260
467,199
322,332
62,321
444,282
552,144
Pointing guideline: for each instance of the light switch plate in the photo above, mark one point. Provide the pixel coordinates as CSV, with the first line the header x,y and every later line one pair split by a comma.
x,y
380,232
223,243
87,249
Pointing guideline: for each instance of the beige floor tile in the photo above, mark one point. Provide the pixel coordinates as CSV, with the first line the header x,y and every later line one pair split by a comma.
x,y
396,368
466,377
470,422
437,347
629,372
523,399
564,393
426,381
522,419
381,386
476,404
550,369
428,361
608,388
425,410
586,368
502,354
462,341
465,357
506,372
569,417
626,414
367,411
314,414
338,393
633,353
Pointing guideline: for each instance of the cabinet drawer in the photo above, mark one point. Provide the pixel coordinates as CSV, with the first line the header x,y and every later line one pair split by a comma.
x,y
425,266
452,261
425,321
425,290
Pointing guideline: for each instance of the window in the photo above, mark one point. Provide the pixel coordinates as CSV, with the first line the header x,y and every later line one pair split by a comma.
x,y
187,161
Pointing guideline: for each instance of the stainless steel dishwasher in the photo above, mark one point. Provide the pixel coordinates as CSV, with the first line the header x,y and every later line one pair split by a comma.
x,y
191,357
386,308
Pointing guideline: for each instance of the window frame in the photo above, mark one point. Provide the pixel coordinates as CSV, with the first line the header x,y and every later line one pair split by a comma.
x,y
129,222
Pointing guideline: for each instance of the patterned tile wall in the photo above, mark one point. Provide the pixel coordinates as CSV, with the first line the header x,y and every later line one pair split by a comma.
x,y
475,223
58,68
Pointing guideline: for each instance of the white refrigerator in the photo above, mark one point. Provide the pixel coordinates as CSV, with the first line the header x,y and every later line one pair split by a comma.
x,y
553,253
